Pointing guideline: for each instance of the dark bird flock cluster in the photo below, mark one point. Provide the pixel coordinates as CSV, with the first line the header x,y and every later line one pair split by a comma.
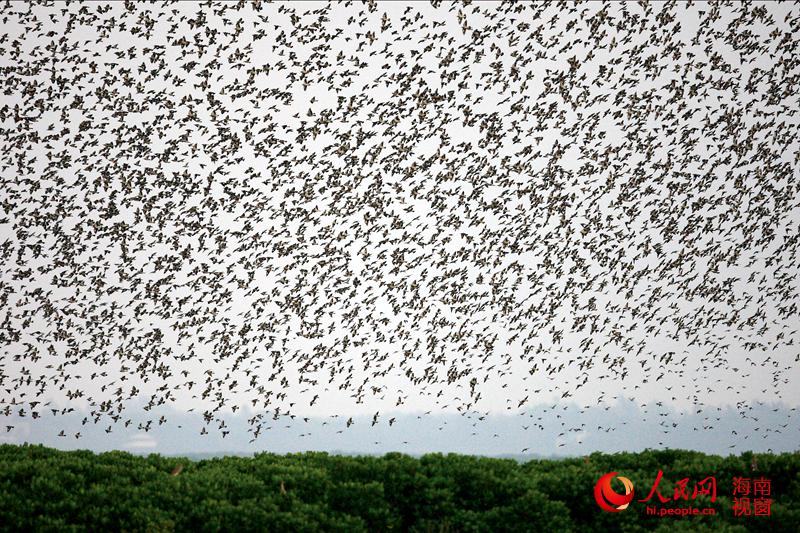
x,y
261,206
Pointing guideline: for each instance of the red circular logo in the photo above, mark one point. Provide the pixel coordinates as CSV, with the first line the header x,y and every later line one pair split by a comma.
x,y
607,498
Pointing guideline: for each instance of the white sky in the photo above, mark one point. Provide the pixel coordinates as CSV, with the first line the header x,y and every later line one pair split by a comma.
x,y
396,157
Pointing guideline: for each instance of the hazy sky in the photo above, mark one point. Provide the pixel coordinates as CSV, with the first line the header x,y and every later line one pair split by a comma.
x,y
579,206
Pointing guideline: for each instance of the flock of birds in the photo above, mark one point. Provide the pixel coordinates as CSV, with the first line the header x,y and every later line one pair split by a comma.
x,y
264,205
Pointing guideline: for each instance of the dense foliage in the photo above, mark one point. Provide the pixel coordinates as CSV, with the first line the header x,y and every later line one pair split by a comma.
x,y
46,489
